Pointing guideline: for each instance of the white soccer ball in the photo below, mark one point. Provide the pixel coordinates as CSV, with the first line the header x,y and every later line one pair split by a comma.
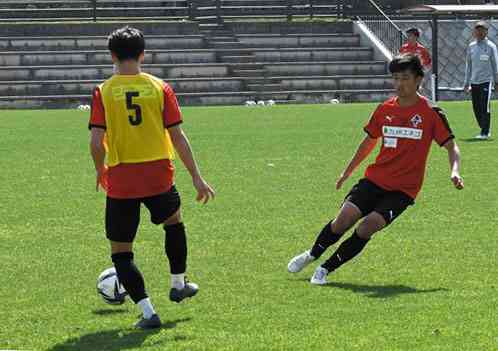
x,y
84,107
109,288
334,101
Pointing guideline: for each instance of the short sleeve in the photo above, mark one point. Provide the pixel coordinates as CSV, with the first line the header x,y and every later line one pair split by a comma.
x,y
442,130
172,115
426,58
373,127
97,114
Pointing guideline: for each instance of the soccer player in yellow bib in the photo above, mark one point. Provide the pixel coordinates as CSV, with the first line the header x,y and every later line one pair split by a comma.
x,y
135,124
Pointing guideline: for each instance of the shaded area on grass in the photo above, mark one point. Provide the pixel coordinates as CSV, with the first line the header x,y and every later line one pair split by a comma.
x,y
109,311
475,140
382,291
120,339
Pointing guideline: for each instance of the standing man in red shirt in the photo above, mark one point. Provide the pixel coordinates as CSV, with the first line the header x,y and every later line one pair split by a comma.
x,y
135,128
406,124
412,46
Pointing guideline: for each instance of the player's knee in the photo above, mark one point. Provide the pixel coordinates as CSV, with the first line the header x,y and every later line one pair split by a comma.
x,y
174,219
373,223
346,219
340,226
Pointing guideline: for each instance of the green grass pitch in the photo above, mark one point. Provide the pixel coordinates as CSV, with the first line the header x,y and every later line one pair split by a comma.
x,y
428,282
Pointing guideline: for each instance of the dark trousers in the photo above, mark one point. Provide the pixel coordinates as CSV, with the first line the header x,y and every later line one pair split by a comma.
x,y
481,96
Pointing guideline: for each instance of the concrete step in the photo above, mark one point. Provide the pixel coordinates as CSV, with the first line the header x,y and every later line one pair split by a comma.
x,y
226,45
81,87
39,4
86,72
249,72
265,87
18,43
89,28
68,72
11,15
313,54
97,57
325,68
238,58
216,98
218,38
282,41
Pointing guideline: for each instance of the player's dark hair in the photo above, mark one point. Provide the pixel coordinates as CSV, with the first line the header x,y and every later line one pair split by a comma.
x,y
407,62
414,31
126,43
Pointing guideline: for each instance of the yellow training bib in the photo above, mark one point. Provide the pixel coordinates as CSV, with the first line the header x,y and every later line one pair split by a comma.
x,y
135,131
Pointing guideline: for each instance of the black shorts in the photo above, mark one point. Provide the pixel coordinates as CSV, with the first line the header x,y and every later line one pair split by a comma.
x,y
369,197
122,216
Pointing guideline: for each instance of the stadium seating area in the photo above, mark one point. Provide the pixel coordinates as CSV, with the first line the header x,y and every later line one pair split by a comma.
x,y
57,64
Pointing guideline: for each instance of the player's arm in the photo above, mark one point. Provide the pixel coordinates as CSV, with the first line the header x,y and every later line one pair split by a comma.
x,y
97,126
182,146
494,64
364,149
97,150
454,158
427,60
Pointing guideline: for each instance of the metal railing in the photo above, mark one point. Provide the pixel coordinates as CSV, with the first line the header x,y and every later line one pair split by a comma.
x,y
47,10
383,28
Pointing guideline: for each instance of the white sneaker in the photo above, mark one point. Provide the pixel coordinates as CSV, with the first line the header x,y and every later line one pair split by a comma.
x,y
480,137
299,262
320,276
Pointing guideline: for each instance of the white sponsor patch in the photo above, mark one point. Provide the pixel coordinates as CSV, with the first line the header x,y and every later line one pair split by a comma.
x,y
484,57
390,142
402,132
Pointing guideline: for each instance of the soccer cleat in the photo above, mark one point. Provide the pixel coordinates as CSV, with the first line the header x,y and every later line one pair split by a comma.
x,y
299,262
149,323
480,137
178,295
320,276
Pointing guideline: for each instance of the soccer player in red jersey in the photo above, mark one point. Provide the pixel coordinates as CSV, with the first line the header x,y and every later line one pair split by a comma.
x,y
135,129
412,46
406,124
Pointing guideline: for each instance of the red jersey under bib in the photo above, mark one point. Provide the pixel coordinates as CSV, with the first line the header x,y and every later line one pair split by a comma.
x,y
407,134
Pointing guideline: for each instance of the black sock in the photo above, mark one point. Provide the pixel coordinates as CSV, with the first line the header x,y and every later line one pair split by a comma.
x,y
129,275
348,249
324,240
175,245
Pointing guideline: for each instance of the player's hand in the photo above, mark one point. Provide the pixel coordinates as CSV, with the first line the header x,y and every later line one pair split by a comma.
x,y
341,180
457,180
468,89
204,190
101,178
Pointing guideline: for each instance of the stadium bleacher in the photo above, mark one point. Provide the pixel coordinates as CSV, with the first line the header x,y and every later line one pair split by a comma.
x,y
48,64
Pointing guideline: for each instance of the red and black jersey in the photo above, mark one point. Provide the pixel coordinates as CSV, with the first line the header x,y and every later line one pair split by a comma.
x,y
407,134
418,50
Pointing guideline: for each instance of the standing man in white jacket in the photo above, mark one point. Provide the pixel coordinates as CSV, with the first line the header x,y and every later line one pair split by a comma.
x,y
480,75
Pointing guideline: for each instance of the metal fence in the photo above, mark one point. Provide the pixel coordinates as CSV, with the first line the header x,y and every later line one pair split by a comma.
x,y
47,10
381,25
